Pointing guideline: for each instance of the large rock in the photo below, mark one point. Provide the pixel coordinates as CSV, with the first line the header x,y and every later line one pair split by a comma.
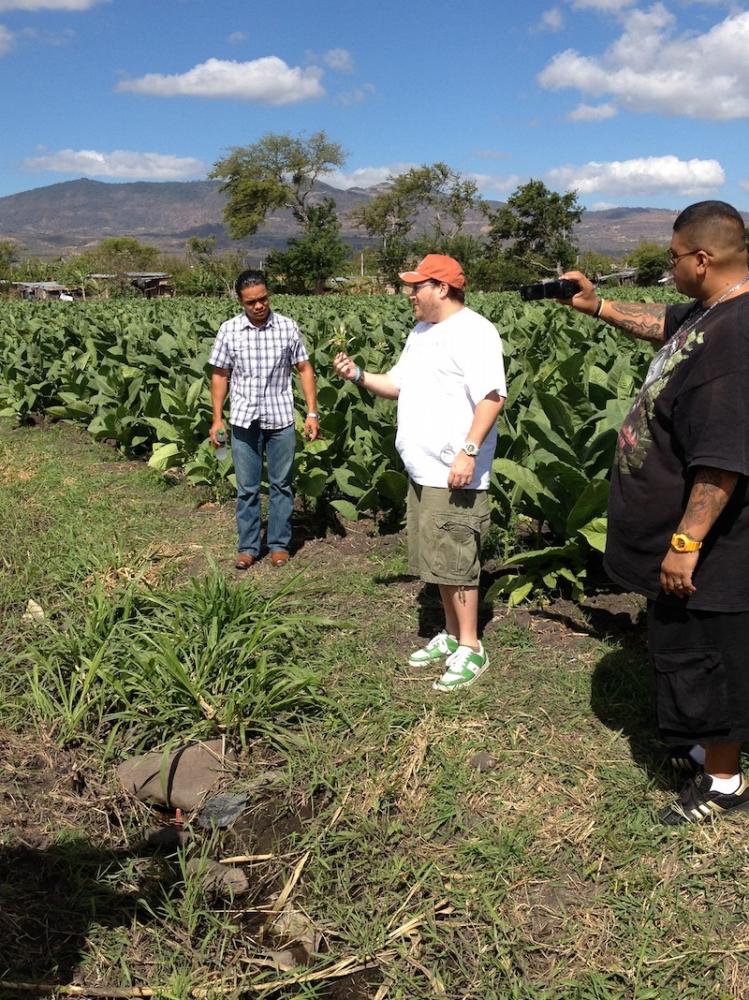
x,y
188,776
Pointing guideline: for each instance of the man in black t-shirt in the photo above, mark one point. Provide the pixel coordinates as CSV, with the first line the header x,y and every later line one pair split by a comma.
x,y
678,527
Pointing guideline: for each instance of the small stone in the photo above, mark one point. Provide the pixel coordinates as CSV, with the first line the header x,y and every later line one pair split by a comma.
x,y
34,612
221,811
222,881
483,761
297,931
284,959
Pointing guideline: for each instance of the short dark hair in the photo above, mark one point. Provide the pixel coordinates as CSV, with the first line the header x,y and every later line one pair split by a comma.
x,y
715,221
249,278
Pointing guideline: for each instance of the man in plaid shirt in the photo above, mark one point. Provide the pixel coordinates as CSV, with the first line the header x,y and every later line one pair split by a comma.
x,y
253,354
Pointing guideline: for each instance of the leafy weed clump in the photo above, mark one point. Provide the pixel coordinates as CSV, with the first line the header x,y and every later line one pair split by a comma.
x,y
209,659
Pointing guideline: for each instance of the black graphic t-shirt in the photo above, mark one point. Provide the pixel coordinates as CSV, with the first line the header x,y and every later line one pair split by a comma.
x,y
692,411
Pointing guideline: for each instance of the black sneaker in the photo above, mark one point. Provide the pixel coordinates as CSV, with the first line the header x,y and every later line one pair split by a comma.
x,y
682,762
697,802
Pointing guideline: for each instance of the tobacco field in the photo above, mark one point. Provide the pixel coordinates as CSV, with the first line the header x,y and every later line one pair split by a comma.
x,y
136,375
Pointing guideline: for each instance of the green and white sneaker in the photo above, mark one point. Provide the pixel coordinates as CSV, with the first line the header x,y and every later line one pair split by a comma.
x,y
463,668
436,649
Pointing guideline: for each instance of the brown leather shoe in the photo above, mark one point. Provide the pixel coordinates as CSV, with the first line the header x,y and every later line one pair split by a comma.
x,y
245,560
279,558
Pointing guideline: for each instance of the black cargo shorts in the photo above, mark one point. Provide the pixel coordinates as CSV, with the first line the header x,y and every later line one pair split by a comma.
x,y
701,661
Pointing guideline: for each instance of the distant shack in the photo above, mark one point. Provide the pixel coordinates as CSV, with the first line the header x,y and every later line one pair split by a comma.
x,y
626,276
41,291
152,284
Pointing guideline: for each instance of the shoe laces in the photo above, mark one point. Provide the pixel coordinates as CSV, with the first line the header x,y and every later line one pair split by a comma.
x,y
460,660
692,795
439,642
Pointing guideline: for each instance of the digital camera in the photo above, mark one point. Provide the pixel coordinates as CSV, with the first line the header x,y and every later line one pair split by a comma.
x,y
555,288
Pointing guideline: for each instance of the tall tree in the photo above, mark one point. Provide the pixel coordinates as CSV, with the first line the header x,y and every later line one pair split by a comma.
x,y
8,257
434,198
119,254
650,260
277,171
533,229
314,256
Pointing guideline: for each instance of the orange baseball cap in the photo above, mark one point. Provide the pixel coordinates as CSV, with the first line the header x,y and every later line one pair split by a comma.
x,y
437,267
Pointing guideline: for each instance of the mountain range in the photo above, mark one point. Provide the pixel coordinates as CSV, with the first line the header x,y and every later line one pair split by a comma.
x,y
70,217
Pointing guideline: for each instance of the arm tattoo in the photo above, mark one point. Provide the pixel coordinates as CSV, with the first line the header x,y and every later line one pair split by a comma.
x,y
710,493
640,319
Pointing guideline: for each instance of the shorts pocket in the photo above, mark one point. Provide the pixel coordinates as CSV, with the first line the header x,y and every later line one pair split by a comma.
x,y
453,546
691,691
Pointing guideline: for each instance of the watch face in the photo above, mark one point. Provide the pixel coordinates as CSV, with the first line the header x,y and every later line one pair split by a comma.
x,y
470,448
683,543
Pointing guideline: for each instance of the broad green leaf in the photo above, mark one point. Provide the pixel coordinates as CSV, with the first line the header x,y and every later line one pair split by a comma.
x,y
393,484
519,594
164,430
592,503
595,533
162,456
346,509
521,477
194,392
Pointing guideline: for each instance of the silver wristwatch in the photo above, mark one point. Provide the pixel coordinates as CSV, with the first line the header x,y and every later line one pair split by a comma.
x,y
471,449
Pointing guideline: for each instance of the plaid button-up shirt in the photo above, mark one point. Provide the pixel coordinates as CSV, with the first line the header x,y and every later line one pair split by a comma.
x,y
260,359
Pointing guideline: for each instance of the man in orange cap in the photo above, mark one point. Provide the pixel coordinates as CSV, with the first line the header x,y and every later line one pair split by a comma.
x,y
450,386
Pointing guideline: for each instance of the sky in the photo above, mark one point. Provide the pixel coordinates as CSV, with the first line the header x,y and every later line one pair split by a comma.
x,y
627,103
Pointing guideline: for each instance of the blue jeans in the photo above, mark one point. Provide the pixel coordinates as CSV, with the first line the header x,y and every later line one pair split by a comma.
x,y
247,447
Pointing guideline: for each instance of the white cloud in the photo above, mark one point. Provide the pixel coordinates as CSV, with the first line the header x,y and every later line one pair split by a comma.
x,y
606,6
645,176
48,4
490,185
651,69
592,113
357,95
267,80
237,36
339,60
496,185
365,177
603,206
7,40
44,37
120,163
551,20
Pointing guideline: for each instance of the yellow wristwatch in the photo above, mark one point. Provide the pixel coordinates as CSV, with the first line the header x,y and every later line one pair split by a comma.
x,y
683,543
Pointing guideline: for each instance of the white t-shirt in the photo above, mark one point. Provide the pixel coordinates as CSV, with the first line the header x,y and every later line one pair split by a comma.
x,y
445,370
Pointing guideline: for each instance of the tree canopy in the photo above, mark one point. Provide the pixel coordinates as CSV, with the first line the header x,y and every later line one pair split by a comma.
x,y
434,197
8,257
533,230
312,257
277,171
650,260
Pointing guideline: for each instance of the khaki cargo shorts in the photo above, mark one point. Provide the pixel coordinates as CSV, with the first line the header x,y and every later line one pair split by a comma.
x,y
445,532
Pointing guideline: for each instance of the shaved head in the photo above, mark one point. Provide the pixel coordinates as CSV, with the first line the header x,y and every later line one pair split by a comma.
x,y
714,226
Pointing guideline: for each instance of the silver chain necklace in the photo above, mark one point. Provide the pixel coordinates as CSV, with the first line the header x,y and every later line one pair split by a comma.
x,y
687,328
675,342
